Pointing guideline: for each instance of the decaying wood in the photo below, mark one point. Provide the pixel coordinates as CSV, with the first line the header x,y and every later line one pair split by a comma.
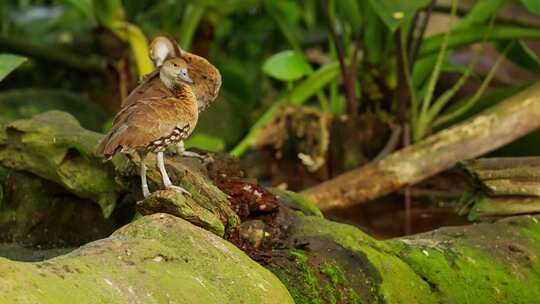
x,y
485,132
503,187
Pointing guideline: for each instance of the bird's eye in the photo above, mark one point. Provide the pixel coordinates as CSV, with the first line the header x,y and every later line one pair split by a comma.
x,y
175,65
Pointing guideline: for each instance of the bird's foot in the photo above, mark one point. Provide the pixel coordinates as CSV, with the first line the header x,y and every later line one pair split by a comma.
x,y
145,191
178,189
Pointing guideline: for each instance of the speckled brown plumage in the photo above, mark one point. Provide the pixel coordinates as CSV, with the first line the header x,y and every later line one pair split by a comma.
x,y
206,78
150,124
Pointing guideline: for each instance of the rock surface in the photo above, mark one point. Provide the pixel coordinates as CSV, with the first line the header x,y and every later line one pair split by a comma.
x,y
156,259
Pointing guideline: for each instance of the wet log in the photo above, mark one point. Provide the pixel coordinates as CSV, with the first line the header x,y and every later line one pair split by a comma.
x,y
485,132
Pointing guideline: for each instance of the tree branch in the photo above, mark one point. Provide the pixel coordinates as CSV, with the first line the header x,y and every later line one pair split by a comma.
x,y
483,133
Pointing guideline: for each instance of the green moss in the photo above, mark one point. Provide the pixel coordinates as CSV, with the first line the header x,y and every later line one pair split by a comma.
x,y
311,284
55,147
333,273
492,265
387,277
352,297
178,263
296,201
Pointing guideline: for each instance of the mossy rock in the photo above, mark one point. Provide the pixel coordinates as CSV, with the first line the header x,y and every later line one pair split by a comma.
x,y
54,146
330,262
157,259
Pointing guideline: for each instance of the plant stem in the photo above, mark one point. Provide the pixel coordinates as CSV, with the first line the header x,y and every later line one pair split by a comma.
x,y
471,102
413,52
347,74
302,92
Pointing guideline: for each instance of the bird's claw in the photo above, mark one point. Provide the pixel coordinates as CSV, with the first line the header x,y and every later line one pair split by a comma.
x,y
206,158
178,189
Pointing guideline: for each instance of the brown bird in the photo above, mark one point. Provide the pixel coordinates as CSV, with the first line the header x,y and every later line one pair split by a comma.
x,y
206,78
153,122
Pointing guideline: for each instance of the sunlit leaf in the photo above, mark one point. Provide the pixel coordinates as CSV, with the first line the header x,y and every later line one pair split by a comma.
x,y
286,66
394,12
8,63
107,11
532,5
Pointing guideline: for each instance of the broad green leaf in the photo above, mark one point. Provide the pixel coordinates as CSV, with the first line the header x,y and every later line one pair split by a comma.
x,y
286,66
107,11
480,13
532,5
138,43
375,34
520,54
8,63
394,12
349,10
190,21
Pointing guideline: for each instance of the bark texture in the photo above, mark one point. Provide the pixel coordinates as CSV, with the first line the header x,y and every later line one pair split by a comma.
x,y
485,132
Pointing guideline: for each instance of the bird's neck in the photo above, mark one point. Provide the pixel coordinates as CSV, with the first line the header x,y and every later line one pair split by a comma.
x,y
168,82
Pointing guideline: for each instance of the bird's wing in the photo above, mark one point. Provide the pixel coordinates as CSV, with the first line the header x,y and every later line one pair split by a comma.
x,y
145,121
206,78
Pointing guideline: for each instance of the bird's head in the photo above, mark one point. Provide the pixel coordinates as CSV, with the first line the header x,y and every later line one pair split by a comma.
x,y
162,48
175,71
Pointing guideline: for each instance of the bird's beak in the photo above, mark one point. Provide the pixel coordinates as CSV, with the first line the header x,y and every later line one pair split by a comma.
x,y
185,77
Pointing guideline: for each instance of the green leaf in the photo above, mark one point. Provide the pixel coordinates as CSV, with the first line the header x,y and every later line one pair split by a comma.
x,y
304,90
286,66
467,36
86,7
190,21
532,5
520,54
375,35
394,12
480,13
107,11
8,63
349,11
206,142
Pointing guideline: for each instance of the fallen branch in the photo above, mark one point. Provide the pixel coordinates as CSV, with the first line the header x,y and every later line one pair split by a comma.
x,y
485,132
503,187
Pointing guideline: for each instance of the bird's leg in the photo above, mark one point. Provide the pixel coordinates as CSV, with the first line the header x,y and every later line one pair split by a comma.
x,y
181,150
166,180
144,183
